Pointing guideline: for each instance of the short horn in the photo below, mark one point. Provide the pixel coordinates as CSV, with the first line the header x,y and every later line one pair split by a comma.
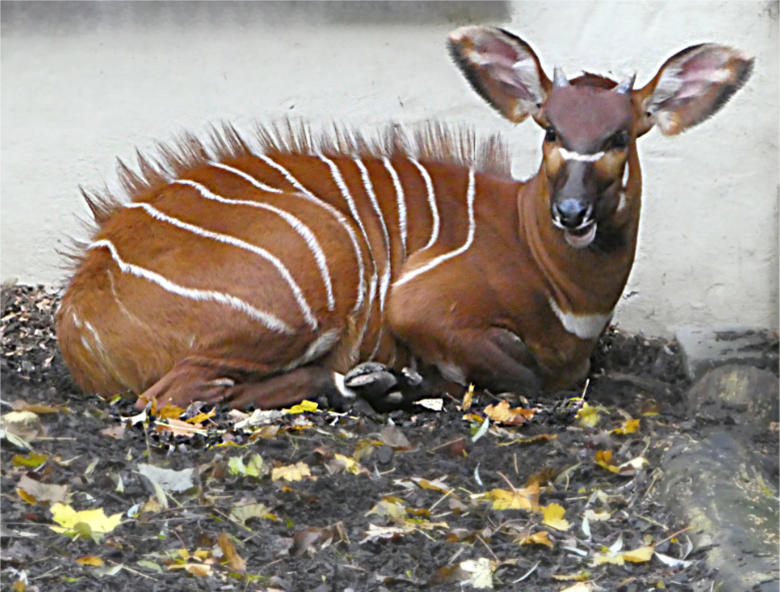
x,y
559,78
626,86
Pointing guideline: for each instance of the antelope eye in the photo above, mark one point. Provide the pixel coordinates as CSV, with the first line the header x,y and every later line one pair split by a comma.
x,y
619,140
550,135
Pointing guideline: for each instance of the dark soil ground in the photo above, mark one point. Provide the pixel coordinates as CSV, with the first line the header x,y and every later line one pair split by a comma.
x,y
403,501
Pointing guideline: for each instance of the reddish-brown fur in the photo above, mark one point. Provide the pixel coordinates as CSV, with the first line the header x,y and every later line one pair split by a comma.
x,y
175,299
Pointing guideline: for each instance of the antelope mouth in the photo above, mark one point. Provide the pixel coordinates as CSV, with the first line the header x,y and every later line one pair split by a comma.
x,y
582,236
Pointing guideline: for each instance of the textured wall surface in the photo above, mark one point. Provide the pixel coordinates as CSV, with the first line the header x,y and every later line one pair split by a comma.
x,y
83,83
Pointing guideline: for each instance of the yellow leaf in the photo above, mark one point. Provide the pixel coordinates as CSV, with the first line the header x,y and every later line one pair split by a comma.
x,y
628,427
201,417
588,416
502,413
296,472
201,554
90,560
639,555
525,498
553,517
541,537
303,406
198,569
390,507
69,519
467,398
350,464
170,412
26,496
31,460
603,458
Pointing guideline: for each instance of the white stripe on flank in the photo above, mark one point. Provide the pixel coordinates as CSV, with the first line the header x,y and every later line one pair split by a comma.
x,y
571,155
431,203
338,178
269,320
361,289
470,193
387,272
246,176
584,326
401,201
227,239
302,229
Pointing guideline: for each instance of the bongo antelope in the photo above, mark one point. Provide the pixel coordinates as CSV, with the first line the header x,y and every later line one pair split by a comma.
x,y
262,276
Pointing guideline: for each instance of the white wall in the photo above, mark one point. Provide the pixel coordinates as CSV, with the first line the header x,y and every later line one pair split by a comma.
x,y
83,83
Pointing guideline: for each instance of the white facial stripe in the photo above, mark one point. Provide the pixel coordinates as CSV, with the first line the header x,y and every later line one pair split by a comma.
x,y
431,203
235,242
470,193
361,288
571,155
302,229
401,201
269,320
586,326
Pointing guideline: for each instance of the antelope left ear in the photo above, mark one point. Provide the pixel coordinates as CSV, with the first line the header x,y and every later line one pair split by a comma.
x,y
691,86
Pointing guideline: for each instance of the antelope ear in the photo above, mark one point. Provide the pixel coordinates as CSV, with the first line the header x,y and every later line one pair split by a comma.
x,y
691,86
502,68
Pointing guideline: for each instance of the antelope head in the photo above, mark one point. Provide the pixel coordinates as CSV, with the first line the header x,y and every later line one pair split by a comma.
x,y
590,167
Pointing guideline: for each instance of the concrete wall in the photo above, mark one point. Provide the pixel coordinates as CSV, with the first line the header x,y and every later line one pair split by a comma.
x,y
83,83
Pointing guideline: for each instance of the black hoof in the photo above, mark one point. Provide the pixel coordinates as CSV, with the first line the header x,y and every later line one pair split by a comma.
x,y
383,387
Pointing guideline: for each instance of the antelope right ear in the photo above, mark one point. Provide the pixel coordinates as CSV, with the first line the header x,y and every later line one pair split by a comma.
x,y
502,68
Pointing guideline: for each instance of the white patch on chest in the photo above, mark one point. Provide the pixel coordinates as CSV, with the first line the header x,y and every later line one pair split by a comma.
x,y
584,326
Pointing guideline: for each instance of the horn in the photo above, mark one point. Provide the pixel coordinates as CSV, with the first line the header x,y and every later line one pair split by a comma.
x,y
626,86
559,78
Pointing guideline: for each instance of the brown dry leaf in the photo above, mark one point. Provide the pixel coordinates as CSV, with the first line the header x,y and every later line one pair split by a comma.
x,y
35,492
393,437
529,439
503,413
234,560
116,431
553,517
296,472
198,569
39,408
541,537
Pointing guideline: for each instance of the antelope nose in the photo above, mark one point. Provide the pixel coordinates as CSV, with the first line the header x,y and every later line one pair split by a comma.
x,y
571,213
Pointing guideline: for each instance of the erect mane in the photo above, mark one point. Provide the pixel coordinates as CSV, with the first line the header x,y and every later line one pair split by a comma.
x,y
432,141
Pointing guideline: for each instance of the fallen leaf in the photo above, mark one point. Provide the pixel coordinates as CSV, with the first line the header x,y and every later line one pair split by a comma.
x,y
245,512
88,523
35,492
304,406
39,408
503,413
639,555
21,427
541,537
468,397
116,431
390,507
201,417
234,560
89,560
169,412
603,458
524,498
169,479
349,464
579,587
481,572
393,437
376,532
553,517
255,467
629,426
32,460
296,472
588,416
180,428
431,404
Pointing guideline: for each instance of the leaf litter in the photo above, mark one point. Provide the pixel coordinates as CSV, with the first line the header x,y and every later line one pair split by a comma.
x,y
553,493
